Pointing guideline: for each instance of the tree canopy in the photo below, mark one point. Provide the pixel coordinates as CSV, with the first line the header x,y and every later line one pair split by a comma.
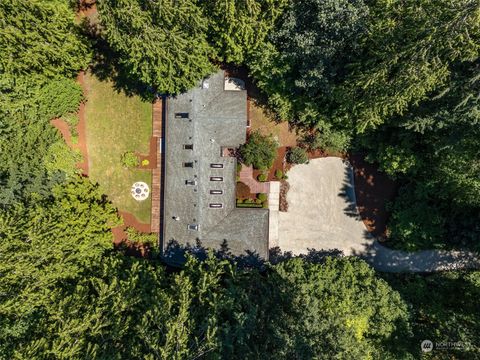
x,y
238,28
41,37
259,151
162,43
407,53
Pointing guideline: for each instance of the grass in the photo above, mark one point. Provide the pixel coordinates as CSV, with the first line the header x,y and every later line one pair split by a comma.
x,y
261,121
117,123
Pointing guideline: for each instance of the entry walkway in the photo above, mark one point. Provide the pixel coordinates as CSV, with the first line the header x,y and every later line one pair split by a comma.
x,y
273,207
246,176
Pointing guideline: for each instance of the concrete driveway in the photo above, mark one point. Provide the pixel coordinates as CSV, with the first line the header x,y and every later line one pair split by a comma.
x,y
322,215
322,210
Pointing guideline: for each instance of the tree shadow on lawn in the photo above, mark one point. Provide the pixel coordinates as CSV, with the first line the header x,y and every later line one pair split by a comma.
x,y
106,66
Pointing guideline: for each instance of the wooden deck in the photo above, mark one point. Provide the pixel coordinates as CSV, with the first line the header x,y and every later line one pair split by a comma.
x,y
157,126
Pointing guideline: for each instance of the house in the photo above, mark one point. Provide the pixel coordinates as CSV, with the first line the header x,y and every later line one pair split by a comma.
x,y
199,203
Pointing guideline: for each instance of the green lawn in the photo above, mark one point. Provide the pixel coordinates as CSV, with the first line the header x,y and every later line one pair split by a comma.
x,y
117,123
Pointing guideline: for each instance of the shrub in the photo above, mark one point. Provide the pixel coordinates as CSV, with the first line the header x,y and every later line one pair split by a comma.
x,y
239,167
259,151
61,97
74,140
239,201
262,177
129,159
326,139
143,238
297,155
249,205
145,162
279,174
262,197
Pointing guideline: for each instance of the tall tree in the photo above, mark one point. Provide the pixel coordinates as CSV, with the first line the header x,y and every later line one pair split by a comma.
x,y
407,53
127,308
239,27
305,60
40,37
29,163
434,151
163,43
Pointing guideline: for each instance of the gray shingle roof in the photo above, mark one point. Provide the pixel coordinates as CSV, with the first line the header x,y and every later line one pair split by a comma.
x,y
216,119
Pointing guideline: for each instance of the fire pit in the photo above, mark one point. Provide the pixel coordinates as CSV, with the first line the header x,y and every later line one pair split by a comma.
x,y
140,191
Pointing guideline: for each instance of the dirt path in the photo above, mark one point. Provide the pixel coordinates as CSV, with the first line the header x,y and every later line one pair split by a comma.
x,y
64,129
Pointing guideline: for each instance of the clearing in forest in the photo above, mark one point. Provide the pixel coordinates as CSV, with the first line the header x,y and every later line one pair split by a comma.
x,y
116,124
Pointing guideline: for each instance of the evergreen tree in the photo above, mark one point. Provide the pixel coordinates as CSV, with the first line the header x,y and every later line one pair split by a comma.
x,y
407,53
162,43
40,37
238,28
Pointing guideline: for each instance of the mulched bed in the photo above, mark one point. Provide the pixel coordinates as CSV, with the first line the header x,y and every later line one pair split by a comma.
x,y
151,156
64,129
243,191
284,187
317,154
373,190
279,163
120,239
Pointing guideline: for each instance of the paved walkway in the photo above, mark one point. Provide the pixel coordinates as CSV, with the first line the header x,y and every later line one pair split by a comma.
x,y
273,207
246,177
322,214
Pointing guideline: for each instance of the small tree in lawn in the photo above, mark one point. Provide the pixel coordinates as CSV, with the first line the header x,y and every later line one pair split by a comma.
x,y
260,151
297,155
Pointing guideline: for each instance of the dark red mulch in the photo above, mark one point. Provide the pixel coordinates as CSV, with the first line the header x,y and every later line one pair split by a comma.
x,y
278,164
373,190
151,156
243,191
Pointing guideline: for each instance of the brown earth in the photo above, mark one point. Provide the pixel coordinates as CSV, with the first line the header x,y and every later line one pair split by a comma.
x,y
121,242
284,187
151,156
373,190
243,191
62,126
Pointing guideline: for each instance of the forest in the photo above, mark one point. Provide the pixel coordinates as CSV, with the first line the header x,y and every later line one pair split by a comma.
x,y
395,80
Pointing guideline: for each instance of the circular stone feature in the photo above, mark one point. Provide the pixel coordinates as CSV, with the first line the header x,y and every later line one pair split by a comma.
x,y
140,191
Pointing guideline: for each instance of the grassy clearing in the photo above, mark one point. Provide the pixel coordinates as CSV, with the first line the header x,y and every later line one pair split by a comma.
x,y
262,122
116,124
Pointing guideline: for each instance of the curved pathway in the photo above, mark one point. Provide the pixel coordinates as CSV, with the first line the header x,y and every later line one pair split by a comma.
x,y
323,215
